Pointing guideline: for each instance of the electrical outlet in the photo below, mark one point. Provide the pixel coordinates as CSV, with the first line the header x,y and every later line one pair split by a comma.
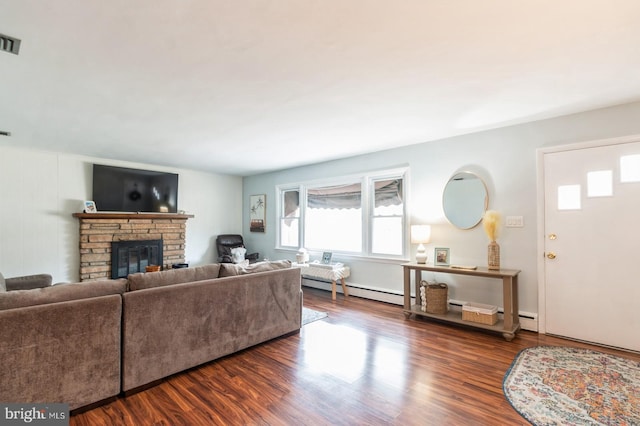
x,y
515,222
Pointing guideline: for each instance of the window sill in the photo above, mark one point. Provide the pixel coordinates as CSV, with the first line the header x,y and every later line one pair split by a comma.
x,y
347,257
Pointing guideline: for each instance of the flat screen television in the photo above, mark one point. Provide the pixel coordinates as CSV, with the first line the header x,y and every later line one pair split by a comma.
x,y
120,189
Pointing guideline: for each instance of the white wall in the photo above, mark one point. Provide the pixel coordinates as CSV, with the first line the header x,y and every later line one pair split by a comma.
x,y
40,191
505,158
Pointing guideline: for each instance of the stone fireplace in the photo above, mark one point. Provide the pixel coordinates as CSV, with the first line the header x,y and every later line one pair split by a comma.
x,y
99,230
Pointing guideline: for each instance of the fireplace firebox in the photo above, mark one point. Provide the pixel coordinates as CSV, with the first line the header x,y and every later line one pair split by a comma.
x,y
129,257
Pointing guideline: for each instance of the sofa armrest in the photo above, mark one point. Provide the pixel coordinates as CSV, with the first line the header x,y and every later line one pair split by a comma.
x,y
28,282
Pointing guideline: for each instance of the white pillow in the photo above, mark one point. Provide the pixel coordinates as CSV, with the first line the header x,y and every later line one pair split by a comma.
x,y
237,254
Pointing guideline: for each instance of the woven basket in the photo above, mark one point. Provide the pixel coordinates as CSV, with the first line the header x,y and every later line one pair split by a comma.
x,y
437,298
477,312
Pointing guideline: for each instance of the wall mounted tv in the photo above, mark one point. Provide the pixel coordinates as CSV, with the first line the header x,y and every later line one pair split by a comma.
x,y
119,189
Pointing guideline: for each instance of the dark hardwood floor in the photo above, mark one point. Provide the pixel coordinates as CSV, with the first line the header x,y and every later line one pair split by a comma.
x,y
364,364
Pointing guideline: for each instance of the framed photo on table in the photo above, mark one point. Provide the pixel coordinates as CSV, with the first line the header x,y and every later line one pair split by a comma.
x,y
441,256
326,257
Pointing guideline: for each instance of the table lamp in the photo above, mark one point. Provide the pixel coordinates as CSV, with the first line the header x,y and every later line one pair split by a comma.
x,y
420,234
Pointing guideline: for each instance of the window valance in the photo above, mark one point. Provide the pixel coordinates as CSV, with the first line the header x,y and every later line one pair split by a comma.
x,y
387,193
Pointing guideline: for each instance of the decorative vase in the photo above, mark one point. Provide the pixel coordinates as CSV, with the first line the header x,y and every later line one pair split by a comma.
x,y
494,256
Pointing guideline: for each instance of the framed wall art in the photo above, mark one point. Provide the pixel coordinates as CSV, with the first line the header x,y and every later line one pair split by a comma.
x,y
258,207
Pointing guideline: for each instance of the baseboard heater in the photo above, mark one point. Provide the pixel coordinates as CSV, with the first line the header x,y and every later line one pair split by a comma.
x,y
320,280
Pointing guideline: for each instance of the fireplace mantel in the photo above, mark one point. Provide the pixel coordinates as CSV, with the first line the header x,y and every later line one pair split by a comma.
x,y
123,215
99,230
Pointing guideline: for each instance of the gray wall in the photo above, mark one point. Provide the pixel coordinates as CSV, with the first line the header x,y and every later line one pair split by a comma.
x,y
504,157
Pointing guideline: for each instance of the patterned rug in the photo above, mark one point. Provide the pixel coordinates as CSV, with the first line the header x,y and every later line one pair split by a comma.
x,y
550,385
309,315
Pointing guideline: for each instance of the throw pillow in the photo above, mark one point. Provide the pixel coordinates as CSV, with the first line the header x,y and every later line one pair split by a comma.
x,y
3,286
230,270
237,254
233,269
267,266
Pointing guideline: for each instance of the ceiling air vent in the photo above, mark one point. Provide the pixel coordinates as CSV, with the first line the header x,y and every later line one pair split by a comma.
x,y
9,44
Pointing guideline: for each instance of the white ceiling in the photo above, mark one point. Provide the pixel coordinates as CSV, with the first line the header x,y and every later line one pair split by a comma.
x,y
248,86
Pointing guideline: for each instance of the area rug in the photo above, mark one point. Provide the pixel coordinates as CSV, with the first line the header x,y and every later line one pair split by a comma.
x,y
309,315
552,385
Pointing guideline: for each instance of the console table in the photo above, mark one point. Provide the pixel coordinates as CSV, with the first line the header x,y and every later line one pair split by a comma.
x,y
507,326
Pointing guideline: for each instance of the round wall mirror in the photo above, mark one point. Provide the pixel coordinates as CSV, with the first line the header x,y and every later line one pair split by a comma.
x,y
464,200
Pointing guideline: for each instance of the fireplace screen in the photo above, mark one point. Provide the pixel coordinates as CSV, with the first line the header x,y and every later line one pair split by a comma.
x,y
129,257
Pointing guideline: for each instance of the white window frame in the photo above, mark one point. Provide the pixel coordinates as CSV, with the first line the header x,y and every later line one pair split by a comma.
x,y
280,191
367,181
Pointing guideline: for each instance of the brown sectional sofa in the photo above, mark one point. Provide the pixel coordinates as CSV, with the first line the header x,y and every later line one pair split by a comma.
x,y
84,342
61,343
169,328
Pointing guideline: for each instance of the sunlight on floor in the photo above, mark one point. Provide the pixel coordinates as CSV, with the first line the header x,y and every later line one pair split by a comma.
x,y
349,354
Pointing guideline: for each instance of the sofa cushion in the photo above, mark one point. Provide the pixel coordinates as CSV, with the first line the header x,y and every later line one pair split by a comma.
x,y
60,293
141,281
3,286
230,269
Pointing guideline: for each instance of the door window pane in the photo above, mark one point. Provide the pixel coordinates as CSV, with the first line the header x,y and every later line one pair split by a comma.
x,y
569,197
630,168
600,183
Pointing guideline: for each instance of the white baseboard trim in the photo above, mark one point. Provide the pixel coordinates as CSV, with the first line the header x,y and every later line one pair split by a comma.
x,y
528,320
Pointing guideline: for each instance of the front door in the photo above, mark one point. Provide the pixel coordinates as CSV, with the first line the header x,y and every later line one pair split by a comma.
x,y
592,244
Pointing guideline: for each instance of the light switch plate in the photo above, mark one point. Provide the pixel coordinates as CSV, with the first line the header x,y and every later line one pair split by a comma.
x,y
515,222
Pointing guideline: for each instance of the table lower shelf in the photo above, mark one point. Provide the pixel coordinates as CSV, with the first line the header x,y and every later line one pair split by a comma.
x,y
456,317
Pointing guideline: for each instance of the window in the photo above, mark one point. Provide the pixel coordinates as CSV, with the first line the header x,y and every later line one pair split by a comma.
x,y
333,218
387,222
360,215
289,218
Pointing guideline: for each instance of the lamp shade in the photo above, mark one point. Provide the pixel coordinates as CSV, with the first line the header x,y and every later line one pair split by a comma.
x,y
420,234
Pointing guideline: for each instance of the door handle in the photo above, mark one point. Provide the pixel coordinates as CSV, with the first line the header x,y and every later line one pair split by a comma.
x,y
551,255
